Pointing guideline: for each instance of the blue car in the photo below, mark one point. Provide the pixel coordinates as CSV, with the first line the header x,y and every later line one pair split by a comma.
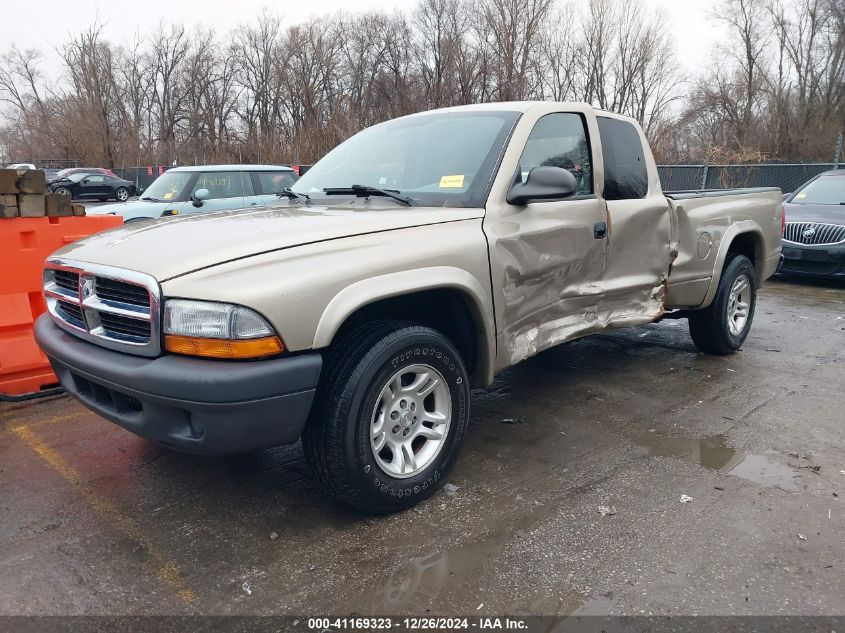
x,y
188,190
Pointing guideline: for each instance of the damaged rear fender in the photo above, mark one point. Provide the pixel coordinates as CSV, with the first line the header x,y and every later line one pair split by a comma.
x,y
731,233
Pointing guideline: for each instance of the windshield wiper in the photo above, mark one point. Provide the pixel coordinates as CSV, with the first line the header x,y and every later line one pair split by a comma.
x,y
292,195
152,199
363,191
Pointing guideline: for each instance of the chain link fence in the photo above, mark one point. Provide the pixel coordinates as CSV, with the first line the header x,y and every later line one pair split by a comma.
x,y
143,177
787,176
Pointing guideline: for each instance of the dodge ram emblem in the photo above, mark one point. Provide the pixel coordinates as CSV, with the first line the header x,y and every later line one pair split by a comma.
x,y
87,287
810,232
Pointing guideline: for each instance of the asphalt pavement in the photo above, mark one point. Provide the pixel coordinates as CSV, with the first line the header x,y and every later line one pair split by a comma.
x,y
622,474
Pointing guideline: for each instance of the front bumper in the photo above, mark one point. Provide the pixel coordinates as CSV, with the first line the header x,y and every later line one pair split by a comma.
x,y
189,404
804,259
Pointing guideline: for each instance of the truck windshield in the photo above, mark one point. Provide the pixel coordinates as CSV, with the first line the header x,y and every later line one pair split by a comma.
x,y
823,190
439,159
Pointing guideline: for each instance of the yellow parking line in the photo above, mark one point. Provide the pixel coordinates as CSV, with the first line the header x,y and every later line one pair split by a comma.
x,y
64,417
165,569
11,415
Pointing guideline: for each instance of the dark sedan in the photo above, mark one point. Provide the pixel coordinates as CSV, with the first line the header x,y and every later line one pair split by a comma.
x,y
97,186
814,235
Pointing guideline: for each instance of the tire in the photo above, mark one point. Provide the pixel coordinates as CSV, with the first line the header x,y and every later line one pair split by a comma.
x,y
64,191
121,194
357,390
718,329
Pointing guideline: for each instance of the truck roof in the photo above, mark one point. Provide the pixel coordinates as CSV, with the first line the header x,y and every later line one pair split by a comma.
x,y
524,106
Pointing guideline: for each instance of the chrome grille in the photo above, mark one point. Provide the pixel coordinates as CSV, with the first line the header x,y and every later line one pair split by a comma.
x,y
814,233
114,308
71,312
124,325
67,280
121,291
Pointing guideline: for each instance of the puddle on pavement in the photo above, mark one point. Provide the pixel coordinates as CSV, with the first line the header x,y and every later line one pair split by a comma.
x,y
459,579
716,454
598,605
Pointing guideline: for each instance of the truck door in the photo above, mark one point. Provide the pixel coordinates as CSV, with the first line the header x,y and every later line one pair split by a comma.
x,y
639,226
547,258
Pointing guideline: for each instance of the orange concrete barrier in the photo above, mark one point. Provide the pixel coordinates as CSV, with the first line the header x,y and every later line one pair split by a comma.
x,y
24,245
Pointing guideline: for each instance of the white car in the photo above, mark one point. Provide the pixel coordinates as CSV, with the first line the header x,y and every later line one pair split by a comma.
x,y
21,166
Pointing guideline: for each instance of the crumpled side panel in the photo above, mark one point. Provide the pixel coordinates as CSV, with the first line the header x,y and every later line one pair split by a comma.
x,y
546,264
545,267
558,282
568,320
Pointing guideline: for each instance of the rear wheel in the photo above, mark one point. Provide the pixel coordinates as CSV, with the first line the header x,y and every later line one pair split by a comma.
x,y
121,194
390,417
722,327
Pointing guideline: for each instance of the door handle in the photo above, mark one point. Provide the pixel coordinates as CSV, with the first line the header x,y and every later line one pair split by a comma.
x,y
600,230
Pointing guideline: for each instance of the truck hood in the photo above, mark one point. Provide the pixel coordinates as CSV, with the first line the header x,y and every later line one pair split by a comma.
x,y
171,247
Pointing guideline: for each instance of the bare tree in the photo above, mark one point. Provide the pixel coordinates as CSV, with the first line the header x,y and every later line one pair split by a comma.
x,y
512,29
169,49
745,20
560,53
90,64
272,92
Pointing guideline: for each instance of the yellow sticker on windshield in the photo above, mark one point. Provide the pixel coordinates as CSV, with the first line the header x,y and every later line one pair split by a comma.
x,y
452,182
168,195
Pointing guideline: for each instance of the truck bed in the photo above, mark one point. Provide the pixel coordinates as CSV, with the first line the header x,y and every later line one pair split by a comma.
x,y
705,223
687,194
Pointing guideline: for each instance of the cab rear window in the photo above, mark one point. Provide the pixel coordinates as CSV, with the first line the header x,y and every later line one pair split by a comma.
x,y
625,174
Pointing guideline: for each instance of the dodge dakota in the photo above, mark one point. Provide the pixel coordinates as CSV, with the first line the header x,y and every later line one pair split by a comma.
x,y
413,262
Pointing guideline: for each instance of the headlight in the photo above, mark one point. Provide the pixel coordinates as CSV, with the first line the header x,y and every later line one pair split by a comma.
x,y
217,330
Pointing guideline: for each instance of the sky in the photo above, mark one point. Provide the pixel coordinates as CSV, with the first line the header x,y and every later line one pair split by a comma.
x,y
45,24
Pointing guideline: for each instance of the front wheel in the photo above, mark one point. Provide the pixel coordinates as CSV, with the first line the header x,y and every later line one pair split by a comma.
x,y
722,327
390,417
64,191
121,194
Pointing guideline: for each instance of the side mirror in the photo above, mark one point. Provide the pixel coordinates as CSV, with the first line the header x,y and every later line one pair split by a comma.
x,y
544,183
84,181
199,196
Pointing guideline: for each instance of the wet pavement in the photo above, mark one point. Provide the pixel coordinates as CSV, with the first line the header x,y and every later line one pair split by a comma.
x,y
568,496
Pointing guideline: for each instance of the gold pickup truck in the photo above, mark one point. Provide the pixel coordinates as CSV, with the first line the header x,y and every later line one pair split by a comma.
x,y
414,261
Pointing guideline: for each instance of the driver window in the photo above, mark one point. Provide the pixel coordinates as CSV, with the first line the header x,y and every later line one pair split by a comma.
x,y
559,140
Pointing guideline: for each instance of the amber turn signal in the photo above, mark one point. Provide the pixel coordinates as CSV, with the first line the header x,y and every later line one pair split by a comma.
x,y
224,348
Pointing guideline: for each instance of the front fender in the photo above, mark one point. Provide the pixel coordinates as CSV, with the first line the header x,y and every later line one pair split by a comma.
x,y
367,291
